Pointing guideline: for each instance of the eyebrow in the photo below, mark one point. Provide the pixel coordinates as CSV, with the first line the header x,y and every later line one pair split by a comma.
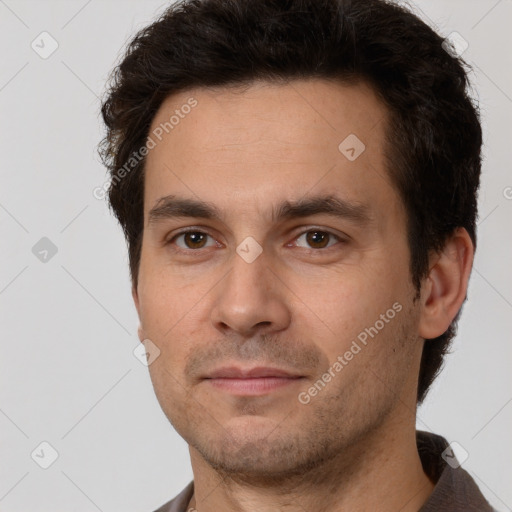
x,y
170,206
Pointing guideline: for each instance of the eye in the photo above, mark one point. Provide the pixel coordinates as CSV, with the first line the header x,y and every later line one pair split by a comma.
x,y
192,240
318,239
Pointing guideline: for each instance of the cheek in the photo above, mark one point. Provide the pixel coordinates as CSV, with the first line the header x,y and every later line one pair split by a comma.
x,y
174,317
344,303
163,300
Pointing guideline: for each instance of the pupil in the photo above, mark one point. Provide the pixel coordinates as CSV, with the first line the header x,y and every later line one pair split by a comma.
x,y
313,238
196,238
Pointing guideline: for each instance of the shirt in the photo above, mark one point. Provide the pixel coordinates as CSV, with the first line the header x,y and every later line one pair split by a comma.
x,y
454,491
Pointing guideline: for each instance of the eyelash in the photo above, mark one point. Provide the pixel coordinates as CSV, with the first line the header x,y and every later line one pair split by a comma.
x,y
198,231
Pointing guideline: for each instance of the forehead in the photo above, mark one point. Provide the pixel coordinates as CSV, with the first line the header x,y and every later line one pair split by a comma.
x,y
252,144
310,109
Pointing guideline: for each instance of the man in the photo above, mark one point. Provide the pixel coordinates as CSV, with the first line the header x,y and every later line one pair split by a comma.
x,y
297,184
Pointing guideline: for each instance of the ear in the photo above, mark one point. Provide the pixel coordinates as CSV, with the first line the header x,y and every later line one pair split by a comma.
x,y
135,296
444,289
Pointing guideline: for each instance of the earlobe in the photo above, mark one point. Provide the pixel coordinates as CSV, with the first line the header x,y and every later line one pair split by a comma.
x,y
444,289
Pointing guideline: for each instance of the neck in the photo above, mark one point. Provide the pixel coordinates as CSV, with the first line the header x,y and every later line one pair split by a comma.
x,y
382,471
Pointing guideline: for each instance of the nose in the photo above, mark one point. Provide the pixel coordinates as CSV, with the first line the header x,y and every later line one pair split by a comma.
x,y
251,300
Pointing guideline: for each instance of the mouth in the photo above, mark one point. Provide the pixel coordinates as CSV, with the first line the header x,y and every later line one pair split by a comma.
x,y
251,381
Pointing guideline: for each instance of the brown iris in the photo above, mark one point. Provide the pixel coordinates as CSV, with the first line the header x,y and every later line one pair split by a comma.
x,y
197,239
317,237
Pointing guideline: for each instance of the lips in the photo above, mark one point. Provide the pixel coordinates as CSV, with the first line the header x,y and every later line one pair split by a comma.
x,y
233,372
254,381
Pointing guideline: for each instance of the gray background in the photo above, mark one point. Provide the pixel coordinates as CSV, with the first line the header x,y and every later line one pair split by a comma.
x,y
67,369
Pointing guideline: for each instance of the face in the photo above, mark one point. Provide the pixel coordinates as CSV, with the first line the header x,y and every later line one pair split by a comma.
x,y
295,259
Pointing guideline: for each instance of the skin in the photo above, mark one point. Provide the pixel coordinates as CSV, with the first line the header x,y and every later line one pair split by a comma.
x,y
298,306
